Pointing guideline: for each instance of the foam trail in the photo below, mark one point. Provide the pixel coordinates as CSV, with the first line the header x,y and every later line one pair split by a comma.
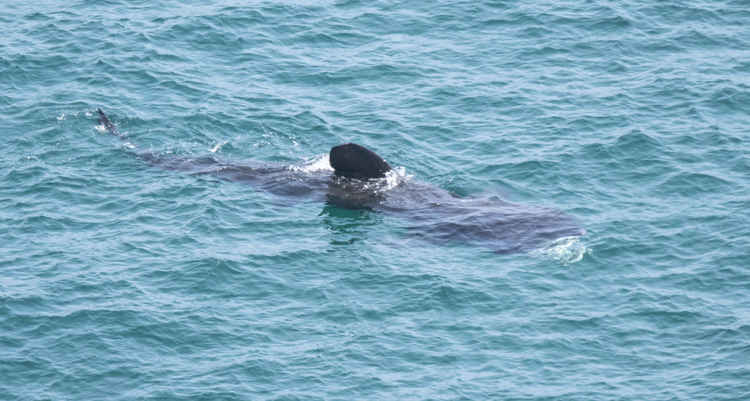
x,y
566,250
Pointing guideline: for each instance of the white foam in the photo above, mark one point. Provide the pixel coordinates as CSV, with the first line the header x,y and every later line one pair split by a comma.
x,y
320,163
101,128
61,117
566,250
392,179
395,177
218,146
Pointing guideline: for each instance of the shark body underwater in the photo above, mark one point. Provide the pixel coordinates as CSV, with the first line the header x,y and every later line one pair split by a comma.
x,y
363,180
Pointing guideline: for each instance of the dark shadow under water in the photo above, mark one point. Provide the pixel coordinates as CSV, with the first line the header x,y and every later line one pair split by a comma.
x,y
432,213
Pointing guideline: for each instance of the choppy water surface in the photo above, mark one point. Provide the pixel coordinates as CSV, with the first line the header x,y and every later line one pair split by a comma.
x,y
625,119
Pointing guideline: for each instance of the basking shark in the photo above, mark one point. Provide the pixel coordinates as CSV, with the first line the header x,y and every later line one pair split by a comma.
x,y
362,179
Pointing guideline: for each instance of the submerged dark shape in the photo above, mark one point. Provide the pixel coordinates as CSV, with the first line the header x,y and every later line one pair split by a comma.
x,y
363,180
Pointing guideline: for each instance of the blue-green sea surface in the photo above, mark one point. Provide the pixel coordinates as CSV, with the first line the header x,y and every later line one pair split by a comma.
x,y
627,120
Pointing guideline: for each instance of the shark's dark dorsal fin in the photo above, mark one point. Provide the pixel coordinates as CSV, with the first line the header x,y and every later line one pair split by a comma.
x,y
356,161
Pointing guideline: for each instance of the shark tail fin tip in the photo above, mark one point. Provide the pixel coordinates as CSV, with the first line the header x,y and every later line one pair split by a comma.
x,y
104,120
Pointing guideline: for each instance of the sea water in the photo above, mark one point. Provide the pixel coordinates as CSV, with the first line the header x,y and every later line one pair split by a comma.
x,y
122,281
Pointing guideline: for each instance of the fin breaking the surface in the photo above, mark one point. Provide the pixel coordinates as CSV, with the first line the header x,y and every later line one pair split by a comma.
x,y
107,124
356,161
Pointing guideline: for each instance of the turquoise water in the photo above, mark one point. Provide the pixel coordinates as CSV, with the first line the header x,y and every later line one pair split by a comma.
x,y
120,280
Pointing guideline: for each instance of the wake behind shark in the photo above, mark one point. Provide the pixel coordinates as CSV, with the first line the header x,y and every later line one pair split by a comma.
x,y
362,179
